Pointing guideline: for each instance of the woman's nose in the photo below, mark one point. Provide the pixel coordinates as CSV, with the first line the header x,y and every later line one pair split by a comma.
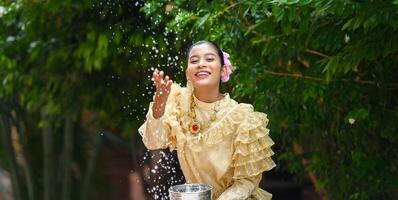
x,y
202,63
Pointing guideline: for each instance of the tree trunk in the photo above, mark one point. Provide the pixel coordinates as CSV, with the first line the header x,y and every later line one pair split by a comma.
x,y
5,131
25,164
48,157
91,166
68,159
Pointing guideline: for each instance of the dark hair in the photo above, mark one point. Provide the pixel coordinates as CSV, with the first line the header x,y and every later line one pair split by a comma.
x,y
218,49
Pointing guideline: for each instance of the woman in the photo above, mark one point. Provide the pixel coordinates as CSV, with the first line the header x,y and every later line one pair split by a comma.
x,y
219,142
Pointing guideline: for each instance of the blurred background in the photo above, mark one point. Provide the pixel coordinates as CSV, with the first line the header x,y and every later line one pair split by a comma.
x,y
75,86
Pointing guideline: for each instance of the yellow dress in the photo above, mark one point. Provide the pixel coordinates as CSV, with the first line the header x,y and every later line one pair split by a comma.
x,y
230,155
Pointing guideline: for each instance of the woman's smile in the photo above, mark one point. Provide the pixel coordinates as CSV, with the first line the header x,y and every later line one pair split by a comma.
x,y
202,74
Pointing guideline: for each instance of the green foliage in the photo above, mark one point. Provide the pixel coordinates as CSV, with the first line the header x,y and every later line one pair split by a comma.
x,y
324,71
84,60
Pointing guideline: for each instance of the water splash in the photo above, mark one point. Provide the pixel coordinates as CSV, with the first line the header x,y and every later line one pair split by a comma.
x,y
156,49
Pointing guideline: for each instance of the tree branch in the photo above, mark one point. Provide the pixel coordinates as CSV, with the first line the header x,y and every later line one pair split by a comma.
x,y
317,53
296,75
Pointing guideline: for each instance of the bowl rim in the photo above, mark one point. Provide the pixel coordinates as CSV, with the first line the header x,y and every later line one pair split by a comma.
x,y
208,188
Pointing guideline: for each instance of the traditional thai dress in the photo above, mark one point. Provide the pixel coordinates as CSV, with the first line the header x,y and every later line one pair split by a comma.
x,y
230,155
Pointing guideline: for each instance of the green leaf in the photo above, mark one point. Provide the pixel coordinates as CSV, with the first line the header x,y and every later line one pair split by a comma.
x,y
347,24
203,20
278,13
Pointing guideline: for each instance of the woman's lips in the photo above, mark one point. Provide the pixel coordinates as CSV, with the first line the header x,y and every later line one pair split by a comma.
x,y
202,74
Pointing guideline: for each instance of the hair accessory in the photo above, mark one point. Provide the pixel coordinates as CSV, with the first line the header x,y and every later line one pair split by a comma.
x,y
228,67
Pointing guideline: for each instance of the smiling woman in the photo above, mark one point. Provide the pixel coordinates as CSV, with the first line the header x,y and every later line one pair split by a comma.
x,y
205,67
219,141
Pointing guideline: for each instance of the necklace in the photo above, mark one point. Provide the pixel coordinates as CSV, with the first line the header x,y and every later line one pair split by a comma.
x,y
195,127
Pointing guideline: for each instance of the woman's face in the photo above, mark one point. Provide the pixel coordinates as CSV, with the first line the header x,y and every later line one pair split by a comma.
x,y
204,66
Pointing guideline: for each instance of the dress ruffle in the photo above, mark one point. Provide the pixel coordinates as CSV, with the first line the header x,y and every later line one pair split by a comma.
x,y
253,152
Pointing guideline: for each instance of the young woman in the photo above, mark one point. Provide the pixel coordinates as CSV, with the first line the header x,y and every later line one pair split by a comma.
x,y
219,141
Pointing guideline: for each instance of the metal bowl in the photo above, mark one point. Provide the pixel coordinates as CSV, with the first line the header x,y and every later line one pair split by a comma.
x,y
190,192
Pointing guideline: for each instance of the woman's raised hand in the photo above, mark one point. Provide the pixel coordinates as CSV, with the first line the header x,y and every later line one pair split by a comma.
x,y
163,87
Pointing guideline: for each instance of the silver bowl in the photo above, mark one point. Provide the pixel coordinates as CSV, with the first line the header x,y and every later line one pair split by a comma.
x,y
190,192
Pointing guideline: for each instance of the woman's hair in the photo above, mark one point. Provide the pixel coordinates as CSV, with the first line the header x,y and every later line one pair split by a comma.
x,y
218,49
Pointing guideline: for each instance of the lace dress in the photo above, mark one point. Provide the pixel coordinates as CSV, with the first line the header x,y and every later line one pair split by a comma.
x,y
230,155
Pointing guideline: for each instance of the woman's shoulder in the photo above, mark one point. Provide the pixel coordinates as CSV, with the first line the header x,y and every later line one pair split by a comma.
x,y
248,110
250,118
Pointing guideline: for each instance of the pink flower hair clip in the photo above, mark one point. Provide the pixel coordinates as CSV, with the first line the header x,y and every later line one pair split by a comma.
x,y
228,67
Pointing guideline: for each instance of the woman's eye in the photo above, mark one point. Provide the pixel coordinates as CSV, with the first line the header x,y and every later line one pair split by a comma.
x,y
210,59
194,61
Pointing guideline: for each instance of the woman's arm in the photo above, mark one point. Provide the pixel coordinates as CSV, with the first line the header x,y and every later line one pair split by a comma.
x,y
154,131
241,189
163,89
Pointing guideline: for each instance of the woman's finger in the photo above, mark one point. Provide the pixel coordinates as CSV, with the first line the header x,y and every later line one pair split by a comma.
x,y
153,76
158,80
161,73
168,85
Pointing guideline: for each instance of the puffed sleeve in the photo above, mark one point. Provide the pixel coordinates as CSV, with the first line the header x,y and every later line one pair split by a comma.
x,y
251,157
156,133
252,154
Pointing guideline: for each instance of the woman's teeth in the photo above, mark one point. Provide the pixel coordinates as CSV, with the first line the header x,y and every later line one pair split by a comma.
x,y
202,74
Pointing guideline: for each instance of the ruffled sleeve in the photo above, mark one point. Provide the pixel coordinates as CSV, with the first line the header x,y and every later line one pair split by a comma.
x,y
252,153
252,156
156,133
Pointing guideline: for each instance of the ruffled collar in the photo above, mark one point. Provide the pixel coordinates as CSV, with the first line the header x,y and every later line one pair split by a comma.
x,y
205,105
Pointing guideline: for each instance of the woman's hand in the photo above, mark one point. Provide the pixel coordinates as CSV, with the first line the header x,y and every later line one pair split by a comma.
x,y
163,87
